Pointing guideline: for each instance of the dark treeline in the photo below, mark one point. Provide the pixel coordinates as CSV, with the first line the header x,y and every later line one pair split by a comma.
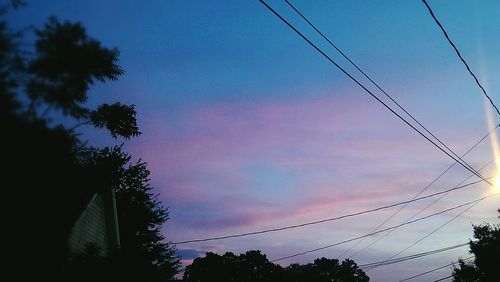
x,y
253,266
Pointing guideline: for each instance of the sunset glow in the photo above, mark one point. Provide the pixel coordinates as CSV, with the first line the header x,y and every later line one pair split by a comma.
x,y
246,127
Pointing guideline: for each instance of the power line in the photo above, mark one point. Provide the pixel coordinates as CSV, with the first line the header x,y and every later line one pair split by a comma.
x,y
327,219
435,269
375,97
404,120
394,101
420,211
460,56
373,82
414,256
368,91
435,230
385,229
444,278
416,195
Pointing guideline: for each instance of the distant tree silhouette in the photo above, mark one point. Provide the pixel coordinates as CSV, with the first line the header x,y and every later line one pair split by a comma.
x,y
325,270
247,267
49,173
486,250
254,266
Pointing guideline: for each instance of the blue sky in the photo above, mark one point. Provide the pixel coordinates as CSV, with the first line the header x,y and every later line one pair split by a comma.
x,y
246,127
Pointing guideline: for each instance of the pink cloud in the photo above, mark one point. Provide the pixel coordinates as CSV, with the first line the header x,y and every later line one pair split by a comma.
x,y
243,166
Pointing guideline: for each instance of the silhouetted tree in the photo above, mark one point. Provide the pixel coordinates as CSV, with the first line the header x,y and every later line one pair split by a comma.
x,y
486,250
254,266
68,62
49,174
143,255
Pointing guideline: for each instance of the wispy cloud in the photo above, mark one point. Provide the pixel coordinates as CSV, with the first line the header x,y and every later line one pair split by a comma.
x,y
232,163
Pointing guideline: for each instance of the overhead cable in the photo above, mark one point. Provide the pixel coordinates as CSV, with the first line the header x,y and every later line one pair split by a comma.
x,y
414,256
416,195
434,269
419,212
395,102
327,219
375,83
444,278
386,229
436,230
460,56
371,93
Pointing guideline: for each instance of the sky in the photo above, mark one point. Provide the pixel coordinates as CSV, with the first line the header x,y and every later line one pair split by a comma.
x,y
245,127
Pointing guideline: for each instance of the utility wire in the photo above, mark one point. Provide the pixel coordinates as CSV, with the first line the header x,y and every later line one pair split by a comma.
x,y
419,212
369,92
460,56
414,256
374,96
328,219
416,195
444,278
389,108
395,102
435,269
374,83
385,229
435,230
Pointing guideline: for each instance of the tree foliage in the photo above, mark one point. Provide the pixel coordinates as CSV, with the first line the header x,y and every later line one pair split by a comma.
x,y
141,215
253,266
49,174
325,270
486,250
67,63
250,266
143,255
11,65
117,118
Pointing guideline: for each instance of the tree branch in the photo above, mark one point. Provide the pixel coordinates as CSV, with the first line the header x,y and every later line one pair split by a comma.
x,y
87,122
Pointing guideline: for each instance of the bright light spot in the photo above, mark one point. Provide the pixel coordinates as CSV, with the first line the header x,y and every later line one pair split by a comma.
x,y
492,124
497,184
